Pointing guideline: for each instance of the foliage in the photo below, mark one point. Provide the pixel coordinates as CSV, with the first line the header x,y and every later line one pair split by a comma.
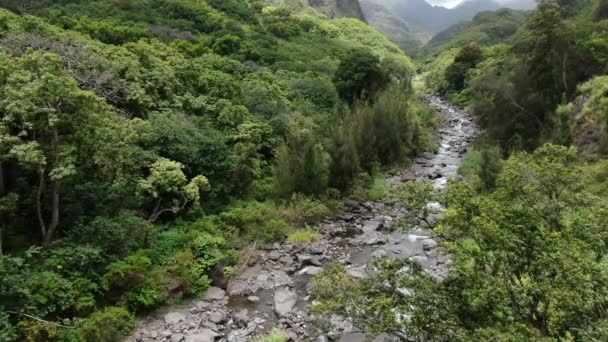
x,y
482,167
109,324
529,261
134,134
302,236
303,210
378,191
359,76
275,335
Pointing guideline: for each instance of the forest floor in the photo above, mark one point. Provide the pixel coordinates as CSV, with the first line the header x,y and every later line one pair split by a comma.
x,y
272,289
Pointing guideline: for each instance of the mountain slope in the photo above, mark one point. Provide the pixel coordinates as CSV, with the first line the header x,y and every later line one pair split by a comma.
x,y
486,28
329,8
395,28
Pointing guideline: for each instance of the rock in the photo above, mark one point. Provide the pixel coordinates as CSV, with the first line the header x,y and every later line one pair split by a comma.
x,y
313,270
215,293
274,256
429,244
356,272
304,259
322,338
368,206
177,338
165,333
174,318
292,335
286,260
372,225
315,249
217,317
408,177
153,334
284,301
217,276
242,318
253,299
205,335
380,253
238,288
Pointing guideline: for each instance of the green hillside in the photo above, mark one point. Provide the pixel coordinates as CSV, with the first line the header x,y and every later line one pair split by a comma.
x,y
144,141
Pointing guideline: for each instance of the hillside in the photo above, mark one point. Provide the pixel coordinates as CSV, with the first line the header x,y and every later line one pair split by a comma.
x,y
145,143
486,28
395,28
328,8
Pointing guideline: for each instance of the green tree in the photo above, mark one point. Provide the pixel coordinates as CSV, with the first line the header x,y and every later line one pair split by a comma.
x,y
359,75
170,189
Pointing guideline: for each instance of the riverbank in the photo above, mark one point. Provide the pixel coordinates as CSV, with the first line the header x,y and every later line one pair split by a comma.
x,y
272,290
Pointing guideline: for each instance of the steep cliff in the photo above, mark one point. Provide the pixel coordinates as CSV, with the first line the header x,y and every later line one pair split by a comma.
x,y
329,8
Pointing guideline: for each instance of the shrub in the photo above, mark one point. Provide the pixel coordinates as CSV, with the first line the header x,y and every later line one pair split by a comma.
x,y
256,221
303,210
378,191
303,236
276,335
119,235
108,324
145,297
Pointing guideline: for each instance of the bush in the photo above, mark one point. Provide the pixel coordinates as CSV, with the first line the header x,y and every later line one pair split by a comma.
x,y
108,324
303,210
378,191
303,236
255,221
276,335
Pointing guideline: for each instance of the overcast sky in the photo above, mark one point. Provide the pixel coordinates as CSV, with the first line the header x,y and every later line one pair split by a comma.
x,y
444,3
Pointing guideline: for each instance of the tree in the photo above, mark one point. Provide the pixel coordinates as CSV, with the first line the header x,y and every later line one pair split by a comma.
x,y
359,75
50,122
170,189
550,52
529,263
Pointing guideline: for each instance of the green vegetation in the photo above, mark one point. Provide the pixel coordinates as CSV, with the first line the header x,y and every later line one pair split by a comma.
x,y
529,263
303,236
144,143
275,335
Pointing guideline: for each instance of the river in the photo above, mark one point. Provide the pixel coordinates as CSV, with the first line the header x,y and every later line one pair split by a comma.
x,y
276,278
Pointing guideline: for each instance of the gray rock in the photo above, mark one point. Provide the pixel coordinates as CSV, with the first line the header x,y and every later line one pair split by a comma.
x,y
165,333
313,270
153,334
284,301
286,260
322,338
217,317
253,299
177,338
356,272
372,225
238,288
215,293
205,335
174,318
242,318
304,259
429,244
274,256
380,253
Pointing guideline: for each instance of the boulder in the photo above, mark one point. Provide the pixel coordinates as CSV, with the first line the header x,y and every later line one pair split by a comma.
x,y
174,317
206,335
429,244
284,301
215,293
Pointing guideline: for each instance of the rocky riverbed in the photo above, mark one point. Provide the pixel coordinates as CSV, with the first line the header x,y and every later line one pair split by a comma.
x,y
272,291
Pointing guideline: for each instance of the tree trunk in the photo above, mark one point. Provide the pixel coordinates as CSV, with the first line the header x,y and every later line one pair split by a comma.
x,y
54,216
41,186
2,189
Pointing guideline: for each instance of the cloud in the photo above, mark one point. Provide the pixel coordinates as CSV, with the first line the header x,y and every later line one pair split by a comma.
x,y
444,3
